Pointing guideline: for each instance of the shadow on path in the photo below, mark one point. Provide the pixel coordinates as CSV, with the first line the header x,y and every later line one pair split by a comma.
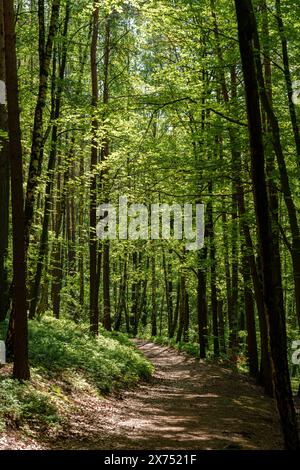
x,y
187,405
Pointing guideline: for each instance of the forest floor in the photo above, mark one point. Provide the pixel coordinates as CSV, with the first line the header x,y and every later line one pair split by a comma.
x,y
186,405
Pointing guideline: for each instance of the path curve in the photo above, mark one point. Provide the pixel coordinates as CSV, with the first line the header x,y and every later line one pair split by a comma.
x,y
186,405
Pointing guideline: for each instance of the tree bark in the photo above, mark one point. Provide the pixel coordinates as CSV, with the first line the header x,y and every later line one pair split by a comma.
x,y
154,298
272,289
35,290
19,309
45,53
4,184
105,156
94,309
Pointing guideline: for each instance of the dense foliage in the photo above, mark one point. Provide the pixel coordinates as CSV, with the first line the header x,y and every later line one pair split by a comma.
x,y
155,101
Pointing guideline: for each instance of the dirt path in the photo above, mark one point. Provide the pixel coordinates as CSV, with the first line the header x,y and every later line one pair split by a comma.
x,y
187,405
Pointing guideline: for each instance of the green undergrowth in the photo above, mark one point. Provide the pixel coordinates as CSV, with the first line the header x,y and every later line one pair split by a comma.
x,y
66,360
190,348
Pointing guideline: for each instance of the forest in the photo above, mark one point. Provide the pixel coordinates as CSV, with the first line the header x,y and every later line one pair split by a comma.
x,y
149,224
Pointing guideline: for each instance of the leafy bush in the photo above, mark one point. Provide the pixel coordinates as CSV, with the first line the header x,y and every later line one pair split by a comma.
x,y
109,361
21,404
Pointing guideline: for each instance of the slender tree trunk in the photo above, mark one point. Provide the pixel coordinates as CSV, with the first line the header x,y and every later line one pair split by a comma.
x,y
81,238
226,265
202,304
122,297
51,165
154,298
105,156
45,53
169,292
57,252
213,274
250,317
265,375
106,286
94,309
183,325
221,327
4,184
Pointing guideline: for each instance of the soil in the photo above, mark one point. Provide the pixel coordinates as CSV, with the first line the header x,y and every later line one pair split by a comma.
x,y
187,405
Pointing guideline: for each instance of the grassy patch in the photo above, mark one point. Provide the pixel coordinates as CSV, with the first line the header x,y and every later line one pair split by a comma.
x,y
22,405
109,361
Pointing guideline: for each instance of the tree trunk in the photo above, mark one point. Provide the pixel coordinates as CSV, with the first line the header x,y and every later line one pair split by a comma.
x,y
154,298
45,53
4,185
105,156
51,165
213,274
272,289
169,292
19,309
250,317
94,309
221,327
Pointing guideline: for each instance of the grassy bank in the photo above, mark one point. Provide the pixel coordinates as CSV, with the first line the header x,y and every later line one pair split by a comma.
x,y
64,360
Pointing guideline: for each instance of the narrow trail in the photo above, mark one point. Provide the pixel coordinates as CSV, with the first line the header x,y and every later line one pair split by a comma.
x,y
187,405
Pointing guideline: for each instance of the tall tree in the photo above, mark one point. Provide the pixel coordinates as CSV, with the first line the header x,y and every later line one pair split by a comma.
x,y
104,159
19,311
56,100
272,288
94,309
4,181
45,54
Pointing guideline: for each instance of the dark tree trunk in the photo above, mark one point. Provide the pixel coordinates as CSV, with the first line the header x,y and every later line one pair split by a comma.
x,y
221,327
250,317
154,298
57,252
284,178
169,292
94,309
122,298
105,156
213,274
45,53
4,185
106,286
19,310
265,375
271,276
176,311
202,307
183,326
51,165
135,292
